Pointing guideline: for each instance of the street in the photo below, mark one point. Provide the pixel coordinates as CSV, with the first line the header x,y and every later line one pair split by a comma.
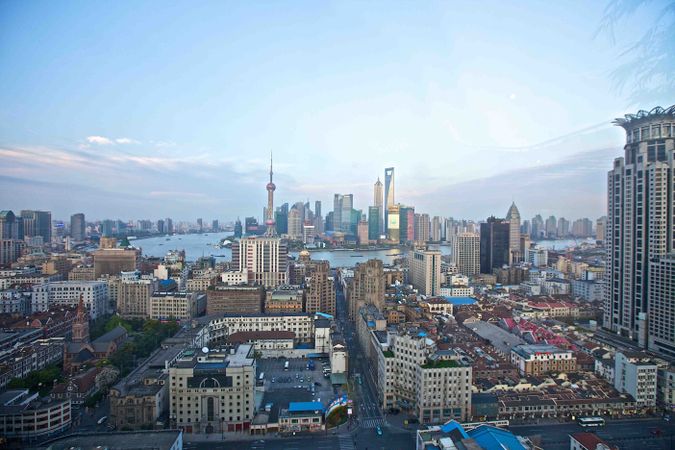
x,y
627,434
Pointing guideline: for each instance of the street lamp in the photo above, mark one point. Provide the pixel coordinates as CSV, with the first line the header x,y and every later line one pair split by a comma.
x,y
222,431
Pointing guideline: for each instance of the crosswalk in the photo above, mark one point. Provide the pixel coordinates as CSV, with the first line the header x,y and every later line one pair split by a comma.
x,y
372,422
345,442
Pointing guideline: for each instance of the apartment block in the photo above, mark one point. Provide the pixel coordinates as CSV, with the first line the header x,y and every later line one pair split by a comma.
x,y
177,305
636,374
67,293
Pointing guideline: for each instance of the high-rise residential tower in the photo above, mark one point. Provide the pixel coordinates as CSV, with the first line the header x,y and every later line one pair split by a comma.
x,y
389,199
513,216
466,253
640,233
378,203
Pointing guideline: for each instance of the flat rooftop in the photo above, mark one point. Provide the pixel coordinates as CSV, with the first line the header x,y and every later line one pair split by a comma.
x,y
156,440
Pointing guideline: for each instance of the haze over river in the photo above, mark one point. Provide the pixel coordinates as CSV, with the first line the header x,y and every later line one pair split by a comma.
x,y
197,245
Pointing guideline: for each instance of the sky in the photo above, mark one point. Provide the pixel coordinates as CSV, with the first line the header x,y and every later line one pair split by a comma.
x,y
171,109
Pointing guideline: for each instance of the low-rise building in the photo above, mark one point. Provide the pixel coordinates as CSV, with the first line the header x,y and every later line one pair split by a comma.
x,y
589,441
29,357
141,399
15,301
285,299
77,388
264,340
302,324
636,374
301,417
539,359
213,392
67,293
25,416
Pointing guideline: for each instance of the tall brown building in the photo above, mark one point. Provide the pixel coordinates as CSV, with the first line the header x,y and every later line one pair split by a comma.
x,y
320,290
224,299
367,287
112,261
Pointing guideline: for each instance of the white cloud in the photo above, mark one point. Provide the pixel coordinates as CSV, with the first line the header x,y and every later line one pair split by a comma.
x,y
100,140
125,140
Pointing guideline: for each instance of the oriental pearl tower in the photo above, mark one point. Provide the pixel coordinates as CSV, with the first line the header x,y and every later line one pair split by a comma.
x,y
271,230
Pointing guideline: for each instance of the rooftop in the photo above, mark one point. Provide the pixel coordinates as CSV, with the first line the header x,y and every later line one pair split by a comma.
x,y
158,440
630,119
305,406
529,350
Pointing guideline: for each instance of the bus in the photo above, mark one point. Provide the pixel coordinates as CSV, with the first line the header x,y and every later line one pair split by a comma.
x,y
591,422
286,365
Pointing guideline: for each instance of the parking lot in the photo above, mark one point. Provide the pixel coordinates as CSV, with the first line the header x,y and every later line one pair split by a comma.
x,y
297,377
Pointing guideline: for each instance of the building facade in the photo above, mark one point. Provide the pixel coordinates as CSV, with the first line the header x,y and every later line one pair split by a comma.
x,y
67,293
177,305
265,259
640,228
466,253
495,238
636,374
213,392
425,271
224,299
540,359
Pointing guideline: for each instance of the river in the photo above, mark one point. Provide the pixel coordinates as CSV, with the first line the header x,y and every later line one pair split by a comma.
x,y
197,245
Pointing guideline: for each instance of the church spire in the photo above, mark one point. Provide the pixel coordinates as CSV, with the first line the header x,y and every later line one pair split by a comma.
x,y
81,323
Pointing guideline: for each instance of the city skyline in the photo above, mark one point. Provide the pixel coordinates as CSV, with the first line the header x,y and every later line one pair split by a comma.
x,y
458,119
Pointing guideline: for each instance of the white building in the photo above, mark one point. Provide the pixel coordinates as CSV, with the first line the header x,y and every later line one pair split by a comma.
x,y
435,385
456,290
67,293
425,271
589,290
636,374
538,257
234,277
302,324
213,392
13,301
265,259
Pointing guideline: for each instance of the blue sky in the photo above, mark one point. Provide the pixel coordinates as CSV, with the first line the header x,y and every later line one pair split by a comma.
x,y
150,109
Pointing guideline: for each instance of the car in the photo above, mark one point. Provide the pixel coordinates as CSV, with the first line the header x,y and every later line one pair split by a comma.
x,y
102,419
394,411
316,383
655,431
378,430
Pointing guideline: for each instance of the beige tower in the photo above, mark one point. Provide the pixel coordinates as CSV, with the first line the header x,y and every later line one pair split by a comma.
x,y
513,217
